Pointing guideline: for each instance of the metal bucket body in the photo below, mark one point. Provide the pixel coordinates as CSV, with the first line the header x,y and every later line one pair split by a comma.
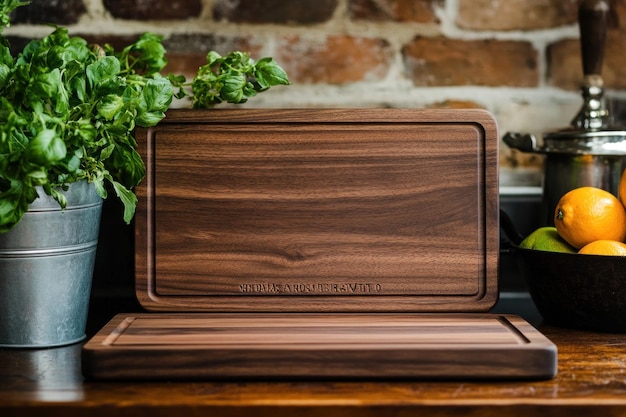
x,y
46,269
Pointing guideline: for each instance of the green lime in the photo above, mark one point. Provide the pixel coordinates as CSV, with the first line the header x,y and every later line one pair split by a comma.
x,y
547,239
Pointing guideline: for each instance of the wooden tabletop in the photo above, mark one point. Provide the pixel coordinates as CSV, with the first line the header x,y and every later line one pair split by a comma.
x,y
591,382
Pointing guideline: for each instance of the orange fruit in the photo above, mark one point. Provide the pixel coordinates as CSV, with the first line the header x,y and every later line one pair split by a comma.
x,y
586,214
604,247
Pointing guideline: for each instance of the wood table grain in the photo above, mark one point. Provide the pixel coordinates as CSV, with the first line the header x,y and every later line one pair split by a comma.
x,y
591,382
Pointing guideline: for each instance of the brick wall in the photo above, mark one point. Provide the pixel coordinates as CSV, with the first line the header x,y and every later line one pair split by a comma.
x,y
519,59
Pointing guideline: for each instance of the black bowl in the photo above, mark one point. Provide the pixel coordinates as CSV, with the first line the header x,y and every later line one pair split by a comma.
x,y
577,291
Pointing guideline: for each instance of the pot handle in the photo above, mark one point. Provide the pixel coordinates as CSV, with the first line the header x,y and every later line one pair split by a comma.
x,y
523,142
593,17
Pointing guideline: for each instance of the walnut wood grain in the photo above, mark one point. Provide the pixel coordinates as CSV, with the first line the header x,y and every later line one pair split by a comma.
x,y
319,210
312,346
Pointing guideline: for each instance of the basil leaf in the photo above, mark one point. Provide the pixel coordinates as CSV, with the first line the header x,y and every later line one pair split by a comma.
x,y
268,73
157,95
86,131
109,106
5,72
106,67
46,85
46,148
234,79
100,188
148,53
149,118
106,152
232,91
128,198
68,110
10,212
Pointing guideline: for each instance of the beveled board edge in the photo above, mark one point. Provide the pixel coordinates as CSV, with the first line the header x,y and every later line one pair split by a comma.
x,y
537,359
145,287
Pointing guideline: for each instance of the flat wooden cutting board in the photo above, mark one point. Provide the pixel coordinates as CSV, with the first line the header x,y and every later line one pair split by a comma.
x,y
311,346
313,210
309,242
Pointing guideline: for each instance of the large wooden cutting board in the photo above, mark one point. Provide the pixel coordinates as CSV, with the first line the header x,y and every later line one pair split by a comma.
x,y
318,244
222,346
316,210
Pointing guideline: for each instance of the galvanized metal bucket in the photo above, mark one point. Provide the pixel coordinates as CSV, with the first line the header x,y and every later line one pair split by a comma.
x,y
46,269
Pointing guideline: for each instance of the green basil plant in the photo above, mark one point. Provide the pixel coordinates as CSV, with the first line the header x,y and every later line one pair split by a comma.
x,y
68,110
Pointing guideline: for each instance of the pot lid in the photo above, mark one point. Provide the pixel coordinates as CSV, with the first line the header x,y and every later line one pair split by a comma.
x,y
609,141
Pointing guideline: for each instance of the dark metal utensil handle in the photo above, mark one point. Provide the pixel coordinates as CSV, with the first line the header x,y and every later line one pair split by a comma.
x,y
592,18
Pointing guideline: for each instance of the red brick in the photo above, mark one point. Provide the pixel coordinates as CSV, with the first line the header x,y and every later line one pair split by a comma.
x,y
186,53
565,62
204,43
60,12
17,43
184,63
564,57
446,62
516,14
274,11
335,60
116,41
154,9
456,104
421,11
617,18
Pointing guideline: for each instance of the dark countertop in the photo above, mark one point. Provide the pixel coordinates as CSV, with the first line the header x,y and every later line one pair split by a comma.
x,y
591,380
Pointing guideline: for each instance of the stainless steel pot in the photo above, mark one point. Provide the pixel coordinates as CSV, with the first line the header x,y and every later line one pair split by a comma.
x,y
589,152
574,159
